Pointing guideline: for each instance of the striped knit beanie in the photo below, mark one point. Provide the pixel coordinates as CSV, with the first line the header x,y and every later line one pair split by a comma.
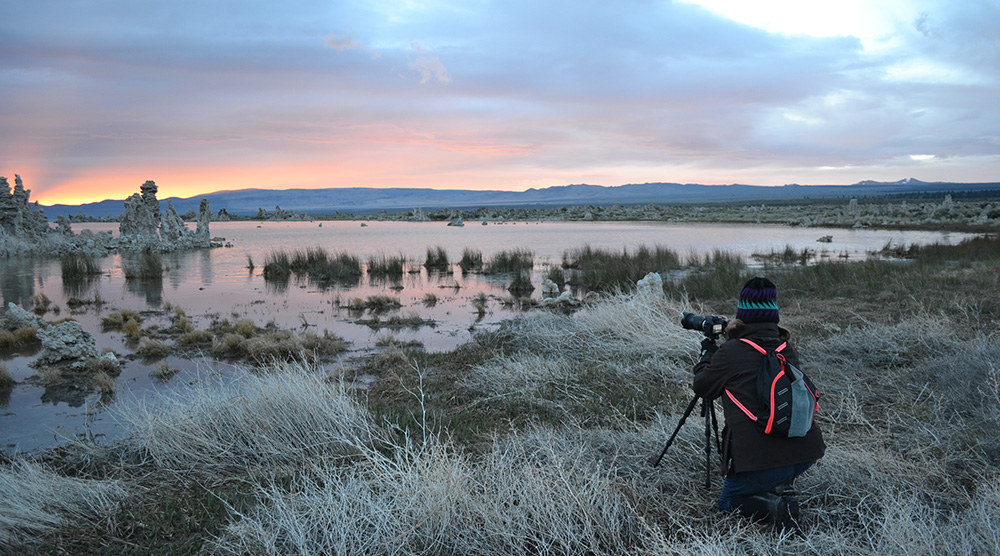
x,y
758,301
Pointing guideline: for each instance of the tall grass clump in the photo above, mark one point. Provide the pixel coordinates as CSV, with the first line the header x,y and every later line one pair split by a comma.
x,y
471,261
37,500
277,266
437,258
319,265
147,265
383,266
514,260
314,264
290,416
605,270
78,267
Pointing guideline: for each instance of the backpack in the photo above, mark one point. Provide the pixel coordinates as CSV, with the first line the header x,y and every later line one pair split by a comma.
x,y
788,397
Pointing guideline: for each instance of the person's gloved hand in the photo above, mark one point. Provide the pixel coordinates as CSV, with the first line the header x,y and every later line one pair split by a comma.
x,y
708,346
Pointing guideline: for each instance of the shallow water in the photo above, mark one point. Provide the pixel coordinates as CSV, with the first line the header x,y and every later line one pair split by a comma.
x,y
217,283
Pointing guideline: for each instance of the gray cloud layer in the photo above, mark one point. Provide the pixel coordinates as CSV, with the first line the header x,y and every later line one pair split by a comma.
x,y
545,86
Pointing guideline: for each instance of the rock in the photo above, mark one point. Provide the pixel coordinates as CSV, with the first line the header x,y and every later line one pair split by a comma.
x,y
825,239
418,215
204,218
20,318
143,226
549,289
22,225
110,360
564,301
142,217
63,227
172,226
66,343
650,286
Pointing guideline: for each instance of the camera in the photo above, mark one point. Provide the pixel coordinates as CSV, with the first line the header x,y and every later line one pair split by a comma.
x,y
711,325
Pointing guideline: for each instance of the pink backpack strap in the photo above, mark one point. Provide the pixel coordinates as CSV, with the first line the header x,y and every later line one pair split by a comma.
x,y
762,350
741,407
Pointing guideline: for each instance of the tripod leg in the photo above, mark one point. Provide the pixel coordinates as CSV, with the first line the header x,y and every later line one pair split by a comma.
x,y
676,430
708,410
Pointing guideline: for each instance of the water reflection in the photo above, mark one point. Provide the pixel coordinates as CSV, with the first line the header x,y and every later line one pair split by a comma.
x,y
150,289
17,281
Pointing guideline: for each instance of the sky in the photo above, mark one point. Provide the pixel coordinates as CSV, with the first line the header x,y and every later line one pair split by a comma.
x,y
98,96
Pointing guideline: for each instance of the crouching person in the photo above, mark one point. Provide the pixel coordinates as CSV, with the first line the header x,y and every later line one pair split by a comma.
x,y
760,466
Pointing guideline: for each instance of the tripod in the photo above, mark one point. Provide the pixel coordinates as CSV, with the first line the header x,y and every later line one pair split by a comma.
x,y
708,412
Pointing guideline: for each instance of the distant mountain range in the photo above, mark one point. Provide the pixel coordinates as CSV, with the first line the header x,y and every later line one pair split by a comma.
x,y
247,202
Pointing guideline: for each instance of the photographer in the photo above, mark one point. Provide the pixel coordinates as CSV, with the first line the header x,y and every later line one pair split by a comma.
x,y
759,467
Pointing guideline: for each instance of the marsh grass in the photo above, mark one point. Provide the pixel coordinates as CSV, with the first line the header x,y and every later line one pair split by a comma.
x,y
787,256
163,372
605,270
382,303
383,266
271,345
19,337
277,266
471,261
78,269
314,264
116,320
515,261
77,304
151,348
395,322
436,259
41,304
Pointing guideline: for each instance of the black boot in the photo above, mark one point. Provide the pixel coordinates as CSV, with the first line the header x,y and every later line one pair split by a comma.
x,y
780,509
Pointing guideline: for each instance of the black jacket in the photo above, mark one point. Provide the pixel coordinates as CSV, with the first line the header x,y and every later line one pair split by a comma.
x,y
734,367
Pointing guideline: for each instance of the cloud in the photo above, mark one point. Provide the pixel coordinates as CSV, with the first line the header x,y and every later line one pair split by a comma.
x,y
428,66
637,90
341,43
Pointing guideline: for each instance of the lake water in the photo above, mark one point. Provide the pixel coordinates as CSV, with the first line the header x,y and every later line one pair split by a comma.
x,y
217,283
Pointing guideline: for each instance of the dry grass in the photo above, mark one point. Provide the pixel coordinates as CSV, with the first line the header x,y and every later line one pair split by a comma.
x,y
103,382
290,417
163,372
153,349
36,500
118,319
11,339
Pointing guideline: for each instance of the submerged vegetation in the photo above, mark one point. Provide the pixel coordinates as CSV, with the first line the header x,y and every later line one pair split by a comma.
x,y
536,437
